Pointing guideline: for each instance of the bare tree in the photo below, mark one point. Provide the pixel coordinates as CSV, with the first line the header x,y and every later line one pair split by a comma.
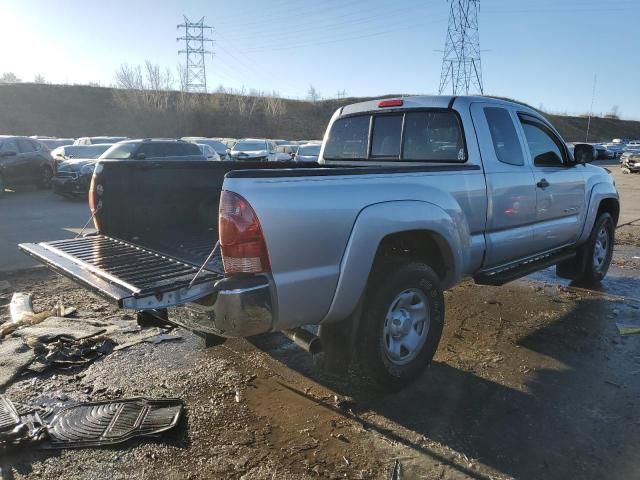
x,y
9,77
129,77
313,94
39,78
254,100
274,105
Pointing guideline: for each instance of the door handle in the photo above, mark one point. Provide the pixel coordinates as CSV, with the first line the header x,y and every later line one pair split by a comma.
x,y
542,183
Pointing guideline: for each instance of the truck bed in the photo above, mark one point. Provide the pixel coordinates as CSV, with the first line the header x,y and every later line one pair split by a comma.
x,y
157,224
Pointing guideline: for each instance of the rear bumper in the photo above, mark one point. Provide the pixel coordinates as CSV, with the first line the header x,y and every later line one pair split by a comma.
x,y
238,308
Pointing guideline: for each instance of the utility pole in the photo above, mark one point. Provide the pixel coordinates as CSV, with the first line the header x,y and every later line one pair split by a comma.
x,y
593,96
461,65
195,43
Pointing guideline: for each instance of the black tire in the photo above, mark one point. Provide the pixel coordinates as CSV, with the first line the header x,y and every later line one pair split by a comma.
x,y
44,182
2,185
590,267
386,286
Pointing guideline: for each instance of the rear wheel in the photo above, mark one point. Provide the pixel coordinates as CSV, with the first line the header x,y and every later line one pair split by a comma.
x,y
44,181
401,323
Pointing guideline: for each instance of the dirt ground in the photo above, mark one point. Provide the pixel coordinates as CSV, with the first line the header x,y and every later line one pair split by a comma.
x,y
531,380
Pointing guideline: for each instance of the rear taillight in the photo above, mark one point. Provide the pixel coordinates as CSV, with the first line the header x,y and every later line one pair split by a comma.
x,y
243,247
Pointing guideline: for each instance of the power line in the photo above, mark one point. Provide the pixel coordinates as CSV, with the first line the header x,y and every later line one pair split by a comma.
x,y
329,29
195,43
402,27
461,66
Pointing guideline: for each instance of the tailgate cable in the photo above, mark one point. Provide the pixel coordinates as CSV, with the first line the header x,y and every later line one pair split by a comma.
x,y
93,215
215,248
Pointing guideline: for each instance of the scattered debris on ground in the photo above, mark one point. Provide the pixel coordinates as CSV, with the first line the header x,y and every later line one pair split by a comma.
x,y
54,338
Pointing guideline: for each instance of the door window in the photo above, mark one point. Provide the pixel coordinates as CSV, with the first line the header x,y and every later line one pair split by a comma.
x,y
545,148
25,146
504,136
153,150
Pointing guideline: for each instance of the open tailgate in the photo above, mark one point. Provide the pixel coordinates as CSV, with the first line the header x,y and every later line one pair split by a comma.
x,y
127,274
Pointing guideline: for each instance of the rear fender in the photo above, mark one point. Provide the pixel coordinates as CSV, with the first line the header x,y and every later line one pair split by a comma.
x,y
374,223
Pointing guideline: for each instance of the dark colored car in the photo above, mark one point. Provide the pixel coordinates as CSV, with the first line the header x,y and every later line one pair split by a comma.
x,y
67,152
73,177
24,161
52,143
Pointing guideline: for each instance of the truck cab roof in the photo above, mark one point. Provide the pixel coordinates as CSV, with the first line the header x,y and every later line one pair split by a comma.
x,y
426,101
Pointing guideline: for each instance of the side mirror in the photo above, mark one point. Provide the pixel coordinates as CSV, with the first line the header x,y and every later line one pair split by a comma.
x,y
8,154
141,156
583,153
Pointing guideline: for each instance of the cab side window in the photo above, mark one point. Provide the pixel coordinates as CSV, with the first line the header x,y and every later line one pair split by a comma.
x,y
546,149
504,136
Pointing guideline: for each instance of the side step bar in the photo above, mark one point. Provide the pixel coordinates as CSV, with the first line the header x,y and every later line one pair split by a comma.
x,y
504,275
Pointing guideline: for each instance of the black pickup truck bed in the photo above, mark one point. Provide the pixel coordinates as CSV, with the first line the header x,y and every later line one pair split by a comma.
x,y
157,224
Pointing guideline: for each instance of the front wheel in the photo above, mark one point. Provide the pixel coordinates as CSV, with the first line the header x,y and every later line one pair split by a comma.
x,y
44,181
594,258
401,324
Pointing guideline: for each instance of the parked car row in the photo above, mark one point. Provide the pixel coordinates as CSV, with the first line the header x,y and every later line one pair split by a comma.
x,y
67,164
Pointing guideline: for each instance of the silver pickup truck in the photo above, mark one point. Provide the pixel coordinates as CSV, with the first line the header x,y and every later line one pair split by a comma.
x,y
410,196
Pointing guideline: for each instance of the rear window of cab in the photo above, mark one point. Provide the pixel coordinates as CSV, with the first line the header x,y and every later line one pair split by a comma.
x,y
414,136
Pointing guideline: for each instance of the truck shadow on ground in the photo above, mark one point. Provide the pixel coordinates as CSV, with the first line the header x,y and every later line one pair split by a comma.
x,y
558,409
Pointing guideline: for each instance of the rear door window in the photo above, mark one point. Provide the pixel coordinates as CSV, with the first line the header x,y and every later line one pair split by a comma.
x,y
153,150
433,137
348,139
182,149
387,132
25,146
504,136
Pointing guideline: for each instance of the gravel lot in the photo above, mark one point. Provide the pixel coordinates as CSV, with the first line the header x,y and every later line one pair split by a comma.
x,y
532,380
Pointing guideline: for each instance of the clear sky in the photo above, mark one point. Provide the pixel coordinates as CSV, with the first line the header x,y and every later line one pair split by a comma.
x,y
543,52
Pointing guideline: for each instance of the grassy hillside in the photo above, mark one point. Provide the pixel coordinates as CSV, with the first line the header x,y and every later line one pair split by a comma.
x,y
30,109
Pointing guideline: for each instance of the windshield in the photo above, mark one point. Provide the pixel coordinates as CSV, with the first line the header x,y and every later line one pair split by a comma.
x,y
250,146
120,151
90,151
309,150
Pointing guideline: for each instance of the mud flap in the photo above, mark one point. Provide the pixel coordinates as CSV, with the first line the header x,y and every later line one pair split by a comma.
x,y
106,423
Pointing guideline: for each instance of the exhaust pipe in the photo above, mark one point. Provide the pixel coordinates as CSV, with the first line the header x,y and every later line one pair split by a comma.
x,y
304,339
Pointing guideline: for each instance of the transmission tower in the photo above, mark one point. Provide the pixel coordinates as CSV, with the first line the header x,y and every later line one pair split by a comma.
x,y
461,66
195,43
